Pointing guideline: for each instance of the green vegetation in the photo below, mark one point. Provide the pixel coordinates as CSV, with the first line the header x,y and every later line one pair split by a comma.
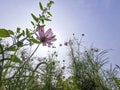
x,y
21,70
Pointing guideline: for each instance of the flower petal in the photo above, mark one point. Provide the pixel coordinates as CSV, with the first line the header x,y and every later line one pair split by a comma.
x,y
51,40
44,43
49,43
46,37
41,32
49,33
66,43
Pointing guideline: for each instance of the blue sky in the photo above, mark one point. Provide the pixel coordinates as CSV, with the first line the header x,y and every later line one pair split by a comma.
x,y
98,19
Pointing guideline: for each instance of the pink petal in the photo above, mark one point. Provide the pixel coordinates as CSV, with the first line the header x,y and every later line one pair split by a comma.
x,y
49,43
66,43
41,32
51,40
51,37
44,43
49,33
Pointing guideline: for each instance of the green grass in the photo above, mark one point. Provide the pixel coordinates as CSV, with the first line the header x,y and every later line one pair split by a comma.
x,y
86,68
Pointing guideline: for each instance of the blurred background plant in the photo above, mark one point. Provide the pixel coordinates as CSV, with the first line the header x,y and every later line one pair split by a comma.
x,y
87,68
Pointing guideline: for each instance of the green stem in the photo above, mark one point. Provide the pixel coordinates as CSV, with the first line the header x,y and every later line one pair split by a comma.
x,y
32,76
26,61
33,53
9,63
16,43
1,64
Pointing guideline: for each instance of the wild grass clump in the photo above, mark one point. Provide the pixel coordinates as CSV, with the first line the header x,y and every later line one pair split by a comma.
x,y
87,68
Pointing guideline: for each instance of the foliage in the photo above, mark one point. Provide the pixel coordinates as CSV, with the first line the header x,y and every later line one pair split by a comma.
x,y
20,70
16,72
87,68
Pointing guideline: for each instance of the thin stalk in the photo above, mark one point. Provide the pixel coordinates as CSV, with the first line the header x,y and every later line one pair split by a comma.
x,y
1,66
32,76
9,63
26,60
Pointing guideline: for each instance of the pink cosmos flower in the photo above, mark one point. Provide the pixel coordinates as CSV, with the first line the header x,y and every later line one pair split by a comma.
x,y
41,58
24,57
46,37
66,43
